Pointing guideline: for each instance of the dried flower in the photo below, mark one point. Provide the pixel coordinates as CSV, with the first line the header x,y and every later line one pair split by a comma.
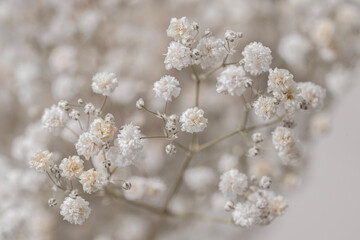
x,y
257,58
71,167
105,130
75,211
92,181
42,161
104,83
88,145
193,120
233,81
233,183
167,88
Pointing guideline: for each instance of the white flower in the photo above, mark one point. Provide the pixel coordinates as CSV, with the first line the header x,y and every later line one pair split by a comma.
x,y
231,35
192,120
199,178
178,56
92,180
167,88
212,51
233,183
170,149
155,188
89,108
227,162
265,107
104,83
257,58
257,138
293,48
71,167
233,81
181,30
313,94
283,138
140,103
88,145
105,130
54,119
265,182
128,146
42,161
245,214
137,190
75,211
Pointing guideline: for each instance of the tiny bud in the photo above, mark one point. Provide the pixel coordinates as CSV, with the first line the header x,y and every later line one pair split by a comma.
x,y
257,138
195,26
74,193
126,185
265,182
80,101
304,105
106,145
64,105
107,163
89,108
52,202
98,112
229,205
109,118
170,149
207,32
74,114
252,152
140,103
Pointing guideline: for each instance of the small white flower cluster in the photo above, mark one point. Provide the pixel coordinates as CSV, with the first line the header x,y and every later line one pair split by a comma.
x,y
286,144
104,83
233,81
249,201
193,120
167,88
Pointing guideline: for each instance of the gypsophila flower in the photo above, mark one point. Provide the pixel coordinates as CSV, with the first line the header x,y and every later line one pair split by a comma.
x,y
245,214
265,182
64,105
75,211
155,188
167,88
283,138
105,130
257,58
137,190
265,107
252,152
193,120
231,35
313,94
233,81
92,180
74,114
88,145
289,156
54,119
199,178
42,161
71,167
257,138
140,103
171,125
178,56
233,183
278,205
52,202
182,30
129,145
170,149
89,108
104,83
212,51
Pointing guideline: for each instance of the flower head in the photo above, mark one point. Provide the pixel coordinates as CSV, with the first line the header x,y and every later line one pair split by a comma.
x,y
257,58
104,83
313,94
88,145
245,214
54,119
193,120
265,107
105,130
233,183
71,167
212,51
178,56
182,30
167,88
283,138
233,81
92,180
75,210
42,161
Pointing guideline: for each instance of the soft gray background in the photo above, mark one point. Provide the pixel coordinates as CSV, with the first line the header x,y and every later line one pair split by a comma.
x,y
327,205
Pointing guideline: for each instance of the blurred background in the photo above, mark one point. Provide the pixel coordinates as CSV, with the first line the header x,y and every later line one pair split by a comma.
x,y
50,49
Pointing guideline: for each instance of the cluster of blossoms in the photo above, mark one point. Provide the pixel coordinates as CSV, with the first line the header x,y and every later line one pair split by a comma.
x,y
249,200
100,152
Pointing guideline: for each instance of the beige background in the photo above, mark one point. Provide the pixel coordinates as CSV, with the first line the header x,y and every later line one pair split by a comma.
x,y
327,205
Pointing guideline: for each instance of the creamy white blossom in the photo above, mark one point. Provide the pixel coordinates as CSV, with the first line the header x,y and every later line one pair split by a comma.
x,y
104,83
257,58
105,130
233,183
75,211
54,119
42,161
88,145
283,138
182,30
245,214
233,81
313,94
265,107
178,56
92,180
212,51
167,88
71,167
193,120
